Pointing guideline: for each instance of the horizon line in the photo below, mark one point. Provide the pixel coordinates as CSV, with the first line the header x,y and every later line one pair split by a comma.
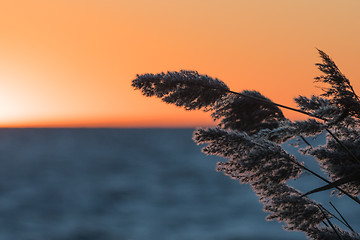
x,y
103,127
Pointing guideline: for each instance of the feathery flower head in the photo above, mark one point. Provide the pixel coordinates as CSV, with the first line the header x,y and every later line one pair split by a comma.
x,y
187,89
286,204
242,113
249,159
328,233
340,89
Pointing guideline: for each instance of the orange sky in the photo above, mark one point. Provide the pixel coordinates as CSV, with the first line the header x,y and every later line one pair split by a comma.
x,y
71,62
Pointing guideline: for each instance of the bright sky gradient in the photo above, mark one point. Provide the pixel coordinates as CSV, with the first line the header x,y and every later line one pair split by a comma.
x,y
70,62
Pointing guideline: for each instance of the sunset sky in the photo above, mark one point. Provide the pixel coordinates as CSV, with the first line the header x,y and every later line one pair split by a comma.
x,y
70,63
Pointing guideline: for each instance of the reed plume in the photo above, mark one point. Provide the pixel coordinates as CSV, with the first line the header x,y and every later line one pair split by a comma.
x,y
251,130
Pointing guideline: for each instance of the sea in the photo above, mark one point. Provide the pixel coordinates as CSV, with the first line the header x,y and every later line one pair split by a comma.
x,y
129,184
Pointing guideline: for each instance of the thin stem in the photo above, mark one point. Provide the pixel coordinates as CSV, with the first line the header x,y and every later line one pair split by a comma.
x,y
332,226
317,175
307,143
324,179
334,216
276,104
353,157
346,223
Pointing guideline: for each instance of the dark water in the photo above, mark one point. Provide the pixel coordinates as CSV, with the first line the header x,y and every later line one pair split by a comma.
x,y
122,184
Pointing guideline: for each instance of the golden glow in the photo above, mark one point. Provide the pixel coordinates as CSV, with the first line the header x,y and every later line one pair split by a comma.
x,y
71,62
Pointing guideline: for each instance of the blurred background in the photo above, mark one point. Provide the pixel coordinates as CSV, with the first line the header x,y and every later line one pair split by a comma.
x,y
127,169
122,184
70,63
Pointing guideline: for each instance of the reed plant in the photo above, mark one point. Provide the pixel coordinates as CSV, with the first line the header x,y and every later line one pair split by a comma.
x,y
250,134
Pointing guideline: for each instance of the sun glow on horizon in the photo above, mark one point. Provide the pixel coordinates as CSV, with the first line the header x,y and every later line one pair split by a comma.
x,y
71,63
